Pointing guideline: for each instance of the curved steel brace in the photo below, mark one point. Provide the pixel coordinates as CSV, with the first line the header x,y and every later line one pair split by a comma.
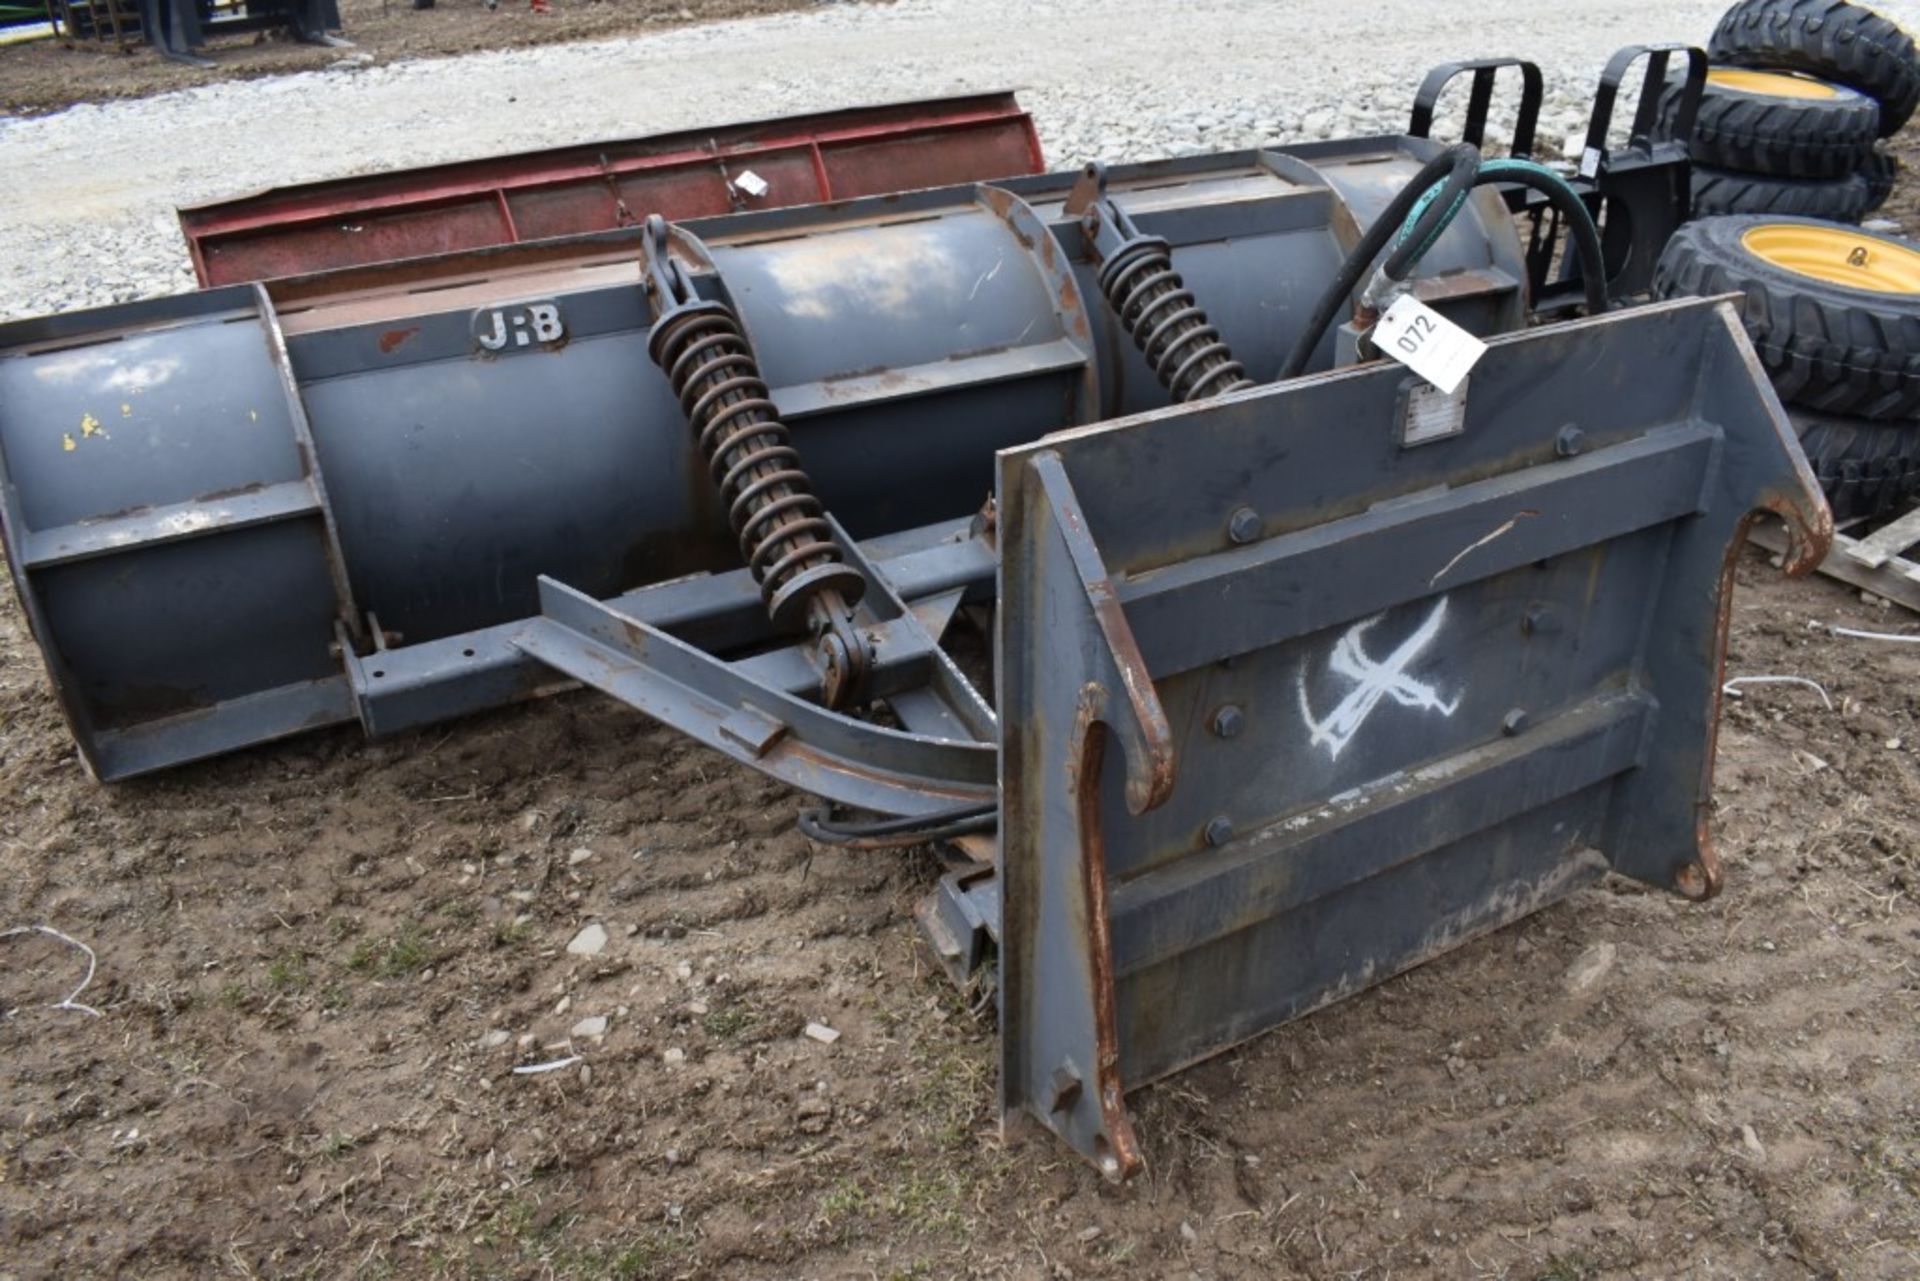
x,y
801,743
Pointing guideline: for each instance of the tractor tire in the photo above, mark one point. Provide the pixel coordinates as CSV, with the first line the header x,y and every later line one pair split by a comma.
x,y
1880,172
1777,124
1833,311
1726,191
1868,470
1846,43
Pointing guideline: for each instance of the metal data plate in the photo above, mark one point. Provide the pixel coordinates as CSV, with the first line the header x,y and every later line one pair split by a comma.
x,y
1436,690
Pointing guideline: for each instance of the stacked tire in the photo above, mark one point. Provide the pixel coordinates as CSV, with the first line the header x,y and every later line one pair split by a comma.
x,y
1798,96
1834,313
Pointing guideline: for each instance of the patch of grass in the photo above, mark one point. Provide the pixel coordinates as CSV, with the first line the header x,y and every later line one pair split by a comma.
x,y
1571,1267
234,995
728,1023
844,1202
511,935
934,1203
394,957
334,998
338,1144
289,973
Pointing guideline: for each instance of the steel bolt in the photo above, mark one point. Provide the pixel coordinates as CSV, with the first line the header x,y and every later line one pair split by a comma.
x,y
1244,525
1219,832
1227,721
1570,441
1513,722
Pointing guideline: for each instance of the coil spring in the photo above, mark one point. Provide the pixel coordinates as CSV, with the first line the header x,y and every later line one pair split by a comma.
x,y
782,527
1167,323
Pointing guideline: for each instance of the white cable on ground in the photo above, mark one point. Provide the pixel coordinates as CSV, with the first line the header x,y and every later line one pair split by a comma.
x,y
66,1003
1731,686
1885,636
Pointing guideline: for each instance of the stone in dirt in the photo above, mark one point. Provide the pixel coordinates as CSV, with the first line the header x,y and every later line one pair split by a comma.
x,y
593,1026
589,941
1590,967
822,1033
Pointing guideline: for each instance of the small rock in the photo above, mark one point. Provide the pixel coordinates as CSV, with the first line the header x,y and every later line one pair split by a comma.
x,y
579,856
684,970
526,1041
1751,1142
589,941
1187,1233
1590,967
1088,1235
696,1007
592,1026
495,1039
822,1033
564,1004
674,1057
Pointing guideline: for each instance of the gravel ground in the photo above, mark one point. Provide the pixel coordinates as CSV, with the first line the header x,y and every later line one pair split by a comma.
x,y
89,219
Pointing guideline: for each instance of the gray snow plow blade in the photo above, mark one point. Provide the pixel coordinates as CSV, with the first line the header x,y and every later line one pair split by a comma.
x,y
1303,687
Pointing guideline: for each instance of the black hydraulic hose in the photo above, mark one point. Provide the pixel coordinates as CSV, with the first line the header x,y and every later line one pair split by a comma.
x,y
1460,156
1567,203
1431,220
897,833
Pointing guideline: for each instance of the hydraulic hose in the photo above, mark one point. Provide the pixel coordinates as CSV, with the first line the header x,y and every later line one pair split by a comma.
x,y
1432,214
897,833
1421,213
1567,203
1441,167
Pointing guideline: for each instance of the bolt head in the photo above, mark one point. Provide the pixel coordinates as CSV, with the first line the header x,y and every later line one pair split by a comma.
x,y
1244,525
1219,832
1513,722
1570,441
1228,722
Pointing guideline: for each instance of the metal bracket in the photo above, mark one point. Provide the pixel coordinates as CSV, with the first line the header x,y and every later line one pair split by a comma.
x,y
1484,71
1411,758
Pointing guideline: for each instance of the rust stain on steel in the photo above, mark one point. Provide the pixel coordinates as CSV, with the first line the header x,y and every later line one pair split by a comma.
x,y
1149,782
393,339
1121,1159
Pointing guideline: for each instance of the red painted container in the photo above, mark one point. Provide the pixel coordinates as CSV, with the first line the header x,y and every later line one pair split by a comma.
x,y
536,195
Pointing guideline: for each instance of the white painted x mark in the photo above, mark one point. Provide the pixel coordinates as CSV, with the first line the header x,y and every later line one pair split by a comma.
x,y
1374,682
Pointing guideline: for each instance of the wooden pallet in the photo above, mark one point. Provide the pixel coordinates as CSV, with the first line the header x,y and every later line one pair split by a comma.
x,y
1874,564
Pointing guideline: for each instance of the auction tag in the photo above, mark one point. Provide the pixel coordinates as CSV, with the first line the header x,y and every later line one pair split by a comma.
x,y
1427,343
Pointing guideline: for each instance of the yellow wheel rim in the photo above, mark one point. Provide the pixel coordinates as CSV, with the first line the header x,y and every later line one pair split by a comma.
x,y
1771,84
1837,255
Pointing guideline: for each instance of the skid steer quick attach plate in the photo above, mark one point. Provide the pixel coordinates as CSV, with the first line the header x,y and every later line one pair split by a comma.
x,y
1289,706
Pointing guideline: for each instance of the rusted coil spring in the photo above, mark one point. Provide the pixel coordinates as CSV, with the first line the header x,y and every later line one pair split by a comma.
x,y
782,527
1167,323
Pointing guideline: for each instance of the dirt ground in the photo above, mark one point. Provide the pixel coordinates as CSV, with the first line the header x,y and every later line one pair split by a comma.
x,y
46,75
319,962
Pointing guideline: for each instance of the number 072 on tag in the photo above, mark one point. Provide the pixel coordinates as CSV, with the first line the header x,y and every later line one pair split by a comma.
x,y
1427,343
